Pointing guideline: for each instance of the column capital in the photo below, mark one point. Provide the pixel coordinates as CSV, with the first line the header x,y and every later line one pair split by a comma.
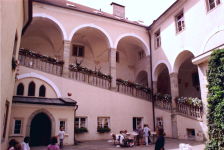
x,y
173,74
112,49
67,42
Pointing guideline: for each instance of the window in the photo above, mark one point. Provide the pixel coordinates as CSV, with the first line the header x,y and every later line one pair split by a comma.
x,y
137,122
20,89
117,56
62,124
42,91
78,51
212,4
5,119
158,39
103,122
81,122
159,122
141,54
180,22
17,127
31,90
191,134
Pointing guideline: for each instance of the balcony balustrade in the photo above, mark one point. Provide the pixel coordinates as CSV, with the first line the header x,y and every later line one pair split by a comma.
x,y
189,110
40,64
132,91
163,104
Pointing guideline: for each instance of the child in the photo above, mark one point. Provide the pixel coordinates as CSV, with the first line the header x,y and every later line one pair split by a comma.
x,y
25,144
12,143
61,135
53,145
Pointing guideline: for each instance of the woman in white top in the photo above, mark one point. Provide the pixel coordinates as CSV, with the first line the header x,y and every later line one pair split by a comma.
x,y
25,144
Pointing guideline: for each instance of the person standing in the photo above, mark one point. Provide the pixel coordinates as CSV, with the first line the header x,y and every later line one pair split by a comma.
x,y
61,135
146,130
12,143
140,134
25,144
53,145
160,141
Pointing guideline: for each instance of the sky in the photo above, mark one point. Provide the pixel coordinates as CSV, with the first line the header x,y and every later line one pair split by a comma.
x,y
143,10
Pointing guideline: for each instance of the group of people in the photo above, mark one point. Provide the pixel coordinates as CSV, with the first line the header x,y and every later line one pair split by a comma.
x,y
14,144
143,132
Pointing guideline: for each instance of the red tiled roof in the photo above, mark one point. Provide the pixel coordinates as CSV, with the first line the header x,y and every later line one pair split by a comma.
x,y
85,9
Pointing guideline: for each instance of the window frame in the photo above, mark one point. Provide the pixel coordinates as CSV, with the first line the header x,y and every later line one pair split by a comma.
x,y
14,124
78,46
182,19
29,89
80,122
103,119
157,37
66,122
157,121
44,90
17,89
141,54
208,5
137,122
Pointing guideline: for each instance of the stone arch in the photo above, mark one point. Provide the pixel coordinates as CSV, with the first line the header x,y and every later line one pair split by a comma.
x,y
54,20
51,117
209,36
109,41
140,78
181,57
34,75
160,65
147,51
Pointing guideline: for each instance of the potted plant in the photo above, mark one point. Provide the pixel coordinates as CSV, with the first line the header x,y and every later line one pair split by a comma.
x,y
14,63
81,130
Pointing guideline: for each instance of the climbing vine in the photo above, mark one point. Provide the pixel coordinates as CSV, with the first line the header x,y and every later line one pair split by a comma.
x,y
215,107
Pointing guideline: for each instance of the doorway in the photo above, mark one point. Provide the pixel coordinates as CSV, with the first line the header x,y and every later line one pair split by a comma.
x,y
40,130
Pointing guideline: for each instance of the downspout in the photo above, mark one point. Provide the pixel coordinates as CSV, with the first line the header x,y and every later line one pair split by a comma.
x,y
153,105
75,141
30,16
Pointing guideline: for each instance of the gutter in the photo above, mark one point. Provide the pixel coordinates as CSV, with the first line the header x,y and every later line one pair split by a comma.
x,y
30,15
153,104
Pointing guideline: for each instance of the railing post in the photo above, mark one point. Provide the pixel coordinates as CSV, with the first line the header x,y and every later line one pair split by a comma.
x,y
90,79
134,91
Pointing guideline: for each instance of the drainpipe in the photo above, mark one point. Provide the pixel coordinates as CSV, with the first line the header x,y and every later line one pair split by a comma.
x,y
75,141
153,105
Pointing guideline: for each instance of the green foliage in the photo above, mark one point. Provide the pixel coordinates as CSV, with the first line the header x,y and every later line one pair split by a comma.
x,y
81,130
215,107
103,130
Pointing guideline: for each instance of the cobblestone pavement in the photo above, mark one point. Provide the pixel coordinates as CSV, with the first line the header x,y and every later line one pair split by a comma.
x,y
170,144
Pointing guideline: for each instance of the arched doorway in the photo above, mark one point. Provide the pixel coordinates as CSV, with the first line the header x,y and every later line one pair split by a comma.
x,y
40,130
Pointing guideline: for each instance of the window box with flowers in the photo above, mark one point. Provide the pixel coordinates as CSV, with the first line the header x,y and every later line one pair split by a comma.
x,y
189,101
81,130
14,63
103,130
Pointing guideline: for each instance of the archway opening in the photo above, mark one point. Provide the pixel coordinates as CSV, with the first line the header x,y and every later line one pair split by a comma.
x,y
40,130
142,78
188,80
132,54
45,36
89,46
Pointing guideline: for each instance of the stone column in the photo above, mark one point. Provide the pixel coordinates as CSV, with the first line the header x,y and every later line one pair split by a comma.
x,y
203,82
112,67
66,55
174,89
174,93
148,70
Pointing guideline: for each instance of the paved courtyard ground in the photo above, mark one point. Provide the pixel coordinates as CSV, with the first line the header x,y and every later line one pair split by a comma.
x,y
170,144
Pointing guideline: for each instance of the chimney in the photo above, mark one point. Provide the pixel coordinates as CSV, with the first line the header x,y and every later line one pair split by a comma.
x,y
118,10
